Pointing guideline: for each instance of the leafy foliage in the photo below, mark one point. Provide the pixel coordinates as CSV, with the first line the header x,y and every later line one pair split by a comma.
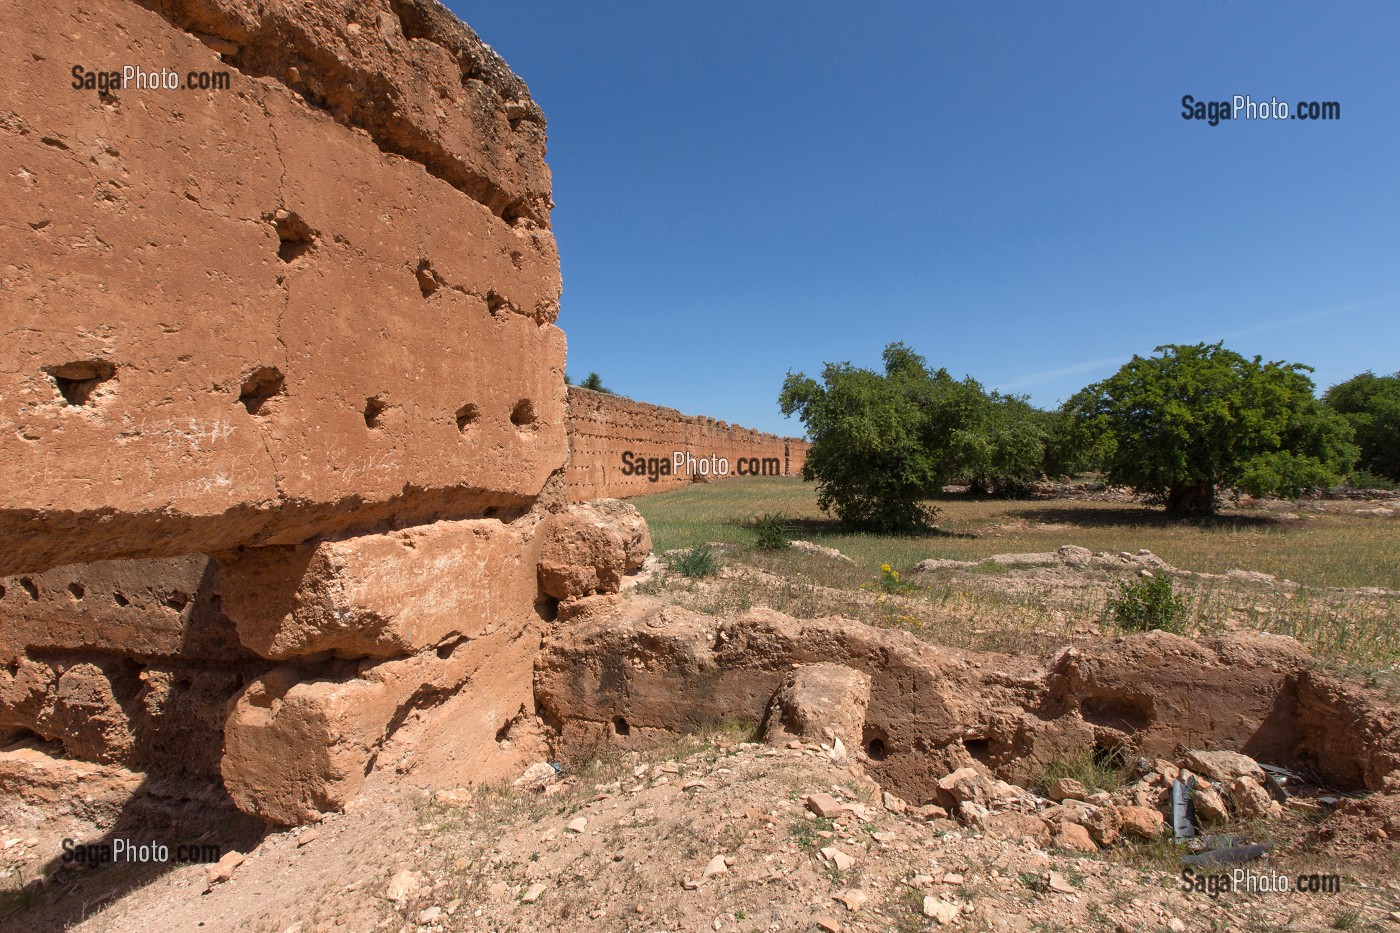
x,y
699,561
1147,604
1371,404
1194,418
591,381
873,451
883,443
772,531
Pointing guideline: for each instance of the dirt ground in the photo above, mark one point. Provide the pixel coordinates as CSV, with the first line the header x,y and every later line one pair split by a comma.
x,y
624,844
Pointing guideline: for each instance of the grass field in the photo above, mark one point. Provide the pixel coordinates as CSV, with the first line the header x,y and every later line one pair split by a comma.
x,y
1317,550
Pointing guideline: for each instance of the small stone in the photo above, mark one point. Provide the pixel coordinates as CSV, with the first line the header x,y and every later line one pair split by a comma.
x,y
1223,766
1075,838
403,887
223,869
1176,926
429,915
533,893
1067,789
973,814
716,866
952,877
940,910
1210,806
854,899
538,775
829,924
577,825
308,837
1141,822
841,860
1059,884
824,805
893,803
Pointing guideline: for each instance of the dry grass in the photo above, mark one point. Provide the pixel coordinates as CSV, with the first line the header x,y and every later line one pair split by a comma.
x,y
992,608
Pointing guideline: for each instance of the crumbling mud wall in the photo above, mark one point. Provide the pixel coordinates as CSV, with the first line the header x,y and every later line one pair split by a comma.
x,y
282,408
612,438
317,302
634,669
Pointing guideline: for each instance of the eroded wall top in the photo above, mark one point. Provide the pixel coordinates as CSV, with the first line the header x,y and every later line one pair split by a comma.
x,y
318,300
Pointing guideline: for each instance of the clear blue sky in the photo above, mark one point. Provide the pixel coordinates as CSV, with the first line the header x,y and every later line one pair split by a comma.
x,y
749,188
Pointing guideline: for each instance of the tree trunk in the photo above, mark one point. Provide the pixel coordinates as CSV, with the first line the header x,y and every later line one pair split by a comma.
x,y
1191,501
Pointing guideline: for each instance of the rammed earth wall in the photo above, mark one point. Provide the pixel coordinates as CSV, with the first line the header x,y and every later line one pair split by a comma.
x,y
620,448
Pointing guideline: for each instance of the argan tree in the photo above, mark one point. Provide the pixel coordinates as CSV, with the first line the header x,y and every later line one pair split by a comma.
x,y
1371,404
884,443
1193,419
868,453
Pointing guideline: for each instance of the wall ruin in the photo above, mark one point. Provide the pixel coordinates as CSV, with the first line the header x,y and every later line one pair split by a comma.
x,y
283,408
603,428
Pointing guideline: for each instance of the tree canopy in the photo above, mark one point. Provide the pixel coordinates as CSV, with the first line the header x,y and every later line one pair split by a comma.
x,y
1371,404
884,443
1194,418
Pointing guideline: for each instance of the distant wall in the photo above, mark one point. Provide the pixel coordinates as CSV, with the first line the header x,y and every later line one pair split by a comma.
x,y
605,429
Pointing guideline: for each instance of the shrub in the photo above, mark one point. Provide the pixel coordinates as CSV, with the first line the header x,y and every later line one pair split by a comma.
x,y
1365,479
699,561
1371,404
772,531
1147,604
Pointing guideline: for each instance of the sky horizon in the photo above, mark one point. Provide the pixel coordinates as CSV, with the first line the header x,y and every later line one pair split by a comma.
x,y
1010,189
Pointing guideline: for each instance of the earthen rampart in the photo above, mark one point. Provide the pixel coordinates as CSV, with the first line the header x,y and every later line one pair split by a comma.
x,y
620,448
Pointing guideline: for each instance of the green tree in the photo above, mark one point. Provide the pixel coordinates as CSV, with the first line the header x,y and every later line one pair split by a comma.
x,y
1371,404
595,382
1003,449
871,455
1196,418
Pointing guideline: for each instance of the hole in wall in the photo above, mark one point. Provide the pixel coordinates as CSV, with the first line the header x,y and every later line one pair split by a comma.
x,y
1111,756
30,587
620,726
494,302
467,415
375,406
875,750
503,733
2,591
1130,713
295,238
979,749
523,414
445,651
259,387
177,601
77,589
121,600
77,381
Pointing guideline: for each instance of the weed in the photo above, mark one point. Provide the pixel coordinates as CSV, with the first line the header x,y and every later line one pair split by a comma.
x,y
1097,769
699,561
1147,604
771,531
1346,919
